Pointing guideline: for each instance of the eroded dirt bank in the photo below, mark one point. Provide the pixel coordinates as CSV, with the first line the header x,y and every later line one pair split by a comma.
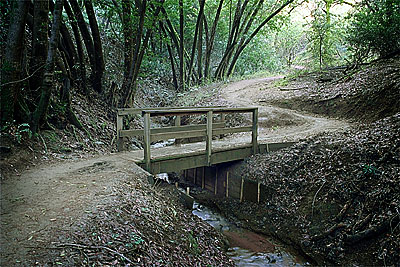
x,y
336,197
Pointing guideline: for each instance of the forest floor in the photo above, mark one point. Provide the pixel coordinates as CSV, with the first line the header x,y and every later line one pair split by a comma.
x,y
99,208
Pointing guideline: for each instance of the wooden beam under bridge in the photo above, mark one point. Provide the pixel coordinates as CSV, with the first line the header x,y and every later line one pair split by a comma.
x,y
178,162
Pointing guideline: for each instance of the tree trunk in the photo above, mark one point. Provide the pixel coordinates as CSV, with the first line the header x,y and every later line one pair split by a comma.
x,y
127,85
244,29
181,48
231,43
196,32
11,69
98,49
200,50
79,47
255,32
138,58
210,42
41,110
39,44
127,28
87,38
171,58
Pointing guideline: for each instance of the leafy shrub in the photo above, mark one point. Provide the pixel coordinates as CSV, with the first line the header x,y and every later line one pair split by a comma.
x,y
374,28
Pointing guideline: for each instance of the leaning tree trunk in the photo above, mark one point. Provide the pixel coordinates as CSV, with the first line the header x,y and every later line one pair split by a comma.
x,y
98,49
11,69
127,29
87,38
39,44
200,50
255,32
181,48
210,41
41,110
196,32
127,84
171,58
79,47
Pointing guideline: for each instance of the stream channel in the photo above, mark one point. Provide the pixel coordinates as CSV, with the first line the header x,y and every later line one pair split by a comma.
x,y
246,248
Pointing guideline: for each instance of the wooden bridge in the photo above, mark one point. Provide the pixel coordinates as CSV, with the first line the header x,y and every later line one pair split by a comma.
x,y
207,152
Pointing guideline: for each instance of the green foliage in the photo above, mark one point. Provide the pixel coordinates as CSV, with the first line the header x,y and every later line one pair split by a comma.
x,y
326,44
194,244
23,129
290,43
374,28
258,56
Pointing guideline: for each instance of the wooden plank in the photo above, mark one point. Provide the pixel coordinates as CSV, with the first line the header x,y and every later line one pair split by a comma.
x,y
120,139
233,130
187,134
227,185
255,131
216,182
209,137
128,111
175,165
241,190
202,177
231,155
177,121
131,111
192,111
140,132
131,133
147,141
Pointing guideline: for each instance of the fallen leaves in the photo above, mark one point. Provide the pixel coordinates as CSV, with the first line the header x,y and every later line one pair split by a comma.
x,y
338,187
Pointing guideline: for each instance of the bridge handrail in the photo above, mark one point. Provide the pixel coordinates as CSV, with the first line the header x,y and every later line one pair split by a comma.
x,y
184,131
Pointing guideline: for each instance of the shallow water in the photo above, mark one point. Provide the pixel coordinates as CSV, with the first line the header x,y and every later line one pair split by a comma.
x,y
248,248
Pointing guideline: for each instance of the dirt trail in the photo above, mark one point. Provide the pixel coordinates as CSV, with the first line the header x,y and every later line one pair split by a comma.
x,y
277,124
45,200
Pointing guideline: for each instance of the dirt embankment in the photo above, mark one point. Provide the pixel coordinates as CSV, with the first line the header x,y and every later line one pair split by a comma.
x,y
335,196
367,94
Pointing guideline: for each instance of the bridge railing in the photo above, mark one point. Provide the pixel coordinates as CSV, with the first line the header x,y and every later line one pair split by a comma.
x,y
179,131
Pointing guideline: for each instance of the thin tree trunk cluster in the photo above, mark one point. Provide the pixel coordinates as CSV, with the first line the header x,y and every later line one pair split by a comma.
x,y
27,95
240,35
73,47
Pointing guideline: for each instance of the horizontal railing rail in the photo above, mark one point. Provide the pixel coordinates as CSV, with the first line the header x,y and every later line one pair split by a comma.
x,y
179,131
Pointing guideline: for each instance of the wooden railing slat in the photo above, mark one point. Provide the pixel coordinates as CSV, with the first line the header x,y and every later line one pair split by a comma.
x,y
177,135
232,130
183,128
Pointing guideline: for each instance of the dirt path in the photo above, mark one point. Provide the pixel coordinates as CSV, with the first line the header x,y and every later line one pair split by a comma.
x,y
45,200
277,124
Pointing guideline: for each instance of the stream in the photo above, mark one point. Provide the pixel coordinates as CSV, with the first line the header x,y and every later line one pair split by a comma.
x,y
248,248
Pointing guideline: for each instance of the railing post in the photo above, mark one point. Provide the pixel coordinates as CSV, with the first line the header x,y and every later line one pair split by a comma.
x,y
147,141
254,131
222,120
209,137
120,140
178,123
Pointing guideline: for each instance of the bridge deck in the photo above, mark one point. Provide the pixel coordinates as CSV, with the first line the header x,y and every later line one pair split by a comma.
x,y
187,156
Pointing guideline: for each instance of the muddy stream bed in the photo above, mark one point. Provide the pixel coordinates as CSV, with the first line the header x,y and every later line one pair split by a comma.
x,y
247,248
